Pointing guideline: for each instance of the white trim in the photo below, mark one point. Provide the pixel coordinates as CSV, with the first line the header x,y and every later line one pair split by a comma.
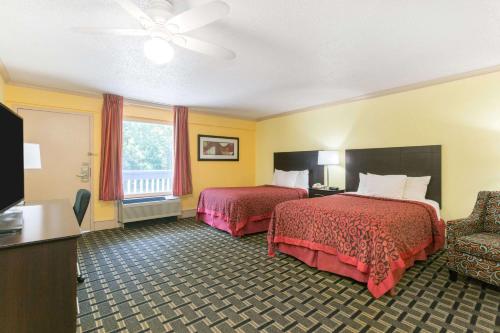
x,y
390,91
91,154
217,111
135,102
147,120
158,122
103,225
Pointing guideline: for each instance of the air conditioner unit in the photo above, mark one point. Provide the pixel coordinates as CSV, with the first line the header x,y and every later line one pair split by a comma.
x,y
142,209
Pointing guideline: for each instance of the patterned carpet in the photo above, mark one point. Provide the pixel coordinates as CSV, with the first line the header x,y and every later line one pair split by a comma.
x,y
187,277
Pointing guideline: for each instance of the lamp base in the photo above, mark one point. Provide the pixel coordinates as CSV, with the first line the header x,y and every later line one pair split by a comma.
x,y
11,221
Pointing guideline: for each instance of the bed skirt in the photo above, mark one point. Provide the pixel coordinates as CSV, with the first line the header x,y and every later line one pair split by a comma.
x,y
331,263
220,223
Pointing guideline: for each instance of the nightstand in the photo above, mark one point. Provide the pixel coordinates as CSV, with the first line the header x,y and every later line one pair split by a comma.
x,y
315,193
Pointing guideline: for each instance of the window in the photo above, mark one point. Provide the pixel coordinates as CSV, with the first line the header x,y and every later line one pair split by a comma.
x,y
147,158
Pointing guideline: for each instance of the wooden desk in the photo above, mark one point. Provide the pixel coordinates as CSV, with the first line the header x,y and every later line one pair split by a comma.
x,y
38,271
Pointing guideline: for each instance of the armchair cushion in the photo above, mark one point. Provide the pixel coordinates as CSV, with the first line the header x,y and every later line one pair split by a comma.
x,y
483,245
478,268
459,228
492,218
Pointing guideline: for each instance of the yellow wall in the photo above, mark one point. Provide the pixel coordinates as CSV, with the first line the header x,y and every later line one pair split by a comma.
x,y
2,89
463,116
205,174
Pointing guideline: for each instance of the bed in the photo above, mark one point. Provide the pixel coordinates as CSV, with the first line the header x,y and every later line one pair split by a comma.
x,y
246,210
370,239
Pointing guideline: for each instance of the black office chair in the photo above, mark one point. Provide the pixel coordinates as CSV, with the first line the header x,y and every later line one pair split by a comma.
x,y
80,208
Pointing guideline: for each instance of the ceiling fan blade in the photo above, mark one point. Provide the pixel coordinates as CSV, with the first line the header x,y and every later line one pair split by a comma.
x,y
197,17
136,12
197,45
113,31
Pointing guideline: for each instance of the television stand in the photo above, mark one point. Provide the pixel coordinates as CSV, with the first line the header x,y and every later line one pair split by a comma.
x,y
11,221
38,270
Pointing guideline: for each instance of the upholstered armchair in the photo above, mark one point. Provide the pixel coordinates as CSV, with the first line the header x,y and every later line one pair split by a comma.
x,y
474,242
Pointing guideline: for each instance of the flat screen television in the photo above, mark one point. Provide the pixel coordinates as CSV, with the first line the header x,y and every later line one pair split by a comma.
x,y
12,163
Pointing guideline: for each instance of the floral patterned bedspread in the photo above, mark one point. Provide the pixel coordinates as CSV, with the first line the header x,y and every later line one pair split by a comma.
x,y
240,205
375,235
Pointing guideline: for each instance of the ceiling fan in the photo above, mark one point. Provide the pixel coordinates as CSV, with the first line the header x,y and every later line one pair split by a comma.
x,y
162,28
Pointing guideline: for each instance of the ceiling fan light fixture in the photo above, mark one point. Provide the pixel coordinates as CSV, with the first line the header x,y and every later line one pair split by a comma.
x,y
162,28
158,50
173,28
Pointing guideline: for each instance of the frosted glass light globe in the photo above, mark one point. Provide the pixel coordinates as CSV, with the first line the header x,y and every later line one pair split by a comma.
x,y
158,51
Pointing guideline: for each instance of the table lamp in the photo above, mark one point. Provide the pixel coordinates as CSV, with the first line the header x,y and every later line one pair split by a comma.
x,y
327,158
32,156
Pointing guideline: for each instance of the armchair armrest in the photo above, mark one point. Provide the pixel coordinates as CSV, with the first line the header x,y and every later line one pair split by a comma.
x,y
461,227
470,225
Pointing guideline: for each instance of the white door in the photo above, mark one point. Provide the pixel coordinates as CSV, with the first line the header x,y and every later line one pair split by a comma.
x,y
65,152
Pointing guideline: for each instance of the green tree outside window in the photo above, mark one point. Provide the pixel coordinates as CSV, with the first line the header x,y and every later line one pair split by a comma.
x,y
147,146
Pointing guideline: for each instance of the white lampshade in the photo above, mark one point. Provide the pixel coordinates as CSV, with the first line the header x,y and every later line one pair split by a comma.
x,y
32,156
328,157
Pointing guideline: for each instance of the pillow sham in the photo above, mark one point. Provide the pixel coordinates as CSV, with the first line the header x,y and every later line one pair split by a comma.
x,y
275,176
285,178
302,179
278,176
390,186
362,183
416,188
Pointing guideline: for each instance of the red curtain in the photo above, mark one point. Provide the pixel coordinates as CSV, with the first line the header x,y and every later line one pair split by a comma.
x,y
182,183
110,181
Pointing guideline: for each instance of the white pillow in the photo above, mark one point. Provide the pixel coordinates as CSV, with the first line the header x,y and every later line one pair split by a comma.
x,y
290,179
390,186
275,176
285,178
302,179
416,188
362,183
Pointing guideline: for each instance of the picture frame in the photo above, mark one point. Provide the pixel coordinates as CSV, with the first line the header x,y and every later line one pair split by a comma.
x,y
218,148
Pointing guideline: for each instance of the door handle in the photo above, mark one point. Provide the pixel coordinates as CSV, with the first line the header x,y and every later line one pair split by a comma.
x,y
83,177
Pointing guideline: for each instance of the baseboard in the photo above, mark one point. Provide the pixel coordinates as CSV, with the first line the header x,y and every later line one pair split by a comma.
x,y
188,213
103,225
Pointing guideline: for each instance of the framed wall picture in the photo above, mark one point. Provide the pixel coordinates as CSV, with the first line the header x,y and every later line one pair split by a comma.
x,y
218,148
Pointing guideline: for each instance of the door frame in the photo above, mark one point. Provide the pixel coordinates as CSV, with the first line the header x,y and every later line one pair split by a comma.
x,y
92,154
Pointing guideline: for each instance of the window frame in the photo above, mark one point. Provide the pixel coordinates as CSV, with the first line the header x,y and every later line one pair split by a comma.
x,y
148,121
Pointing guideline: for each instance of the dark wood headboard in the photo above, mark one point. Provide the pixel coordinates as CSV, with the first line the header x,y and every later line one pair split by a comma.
x,y
301,160
414,161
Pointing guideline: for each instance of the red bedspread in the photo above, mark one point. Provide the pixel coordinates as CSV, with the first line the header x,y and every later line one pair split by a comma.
x,y
376,236
240,205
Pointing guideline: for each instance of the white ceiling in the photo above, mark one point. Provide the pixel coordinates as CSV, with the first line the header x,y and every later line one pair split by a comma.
x,y
291,54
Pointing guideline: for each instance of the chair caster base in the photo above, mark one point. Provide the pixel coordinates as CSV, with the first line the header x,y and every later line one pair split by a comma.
x,y
80,279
